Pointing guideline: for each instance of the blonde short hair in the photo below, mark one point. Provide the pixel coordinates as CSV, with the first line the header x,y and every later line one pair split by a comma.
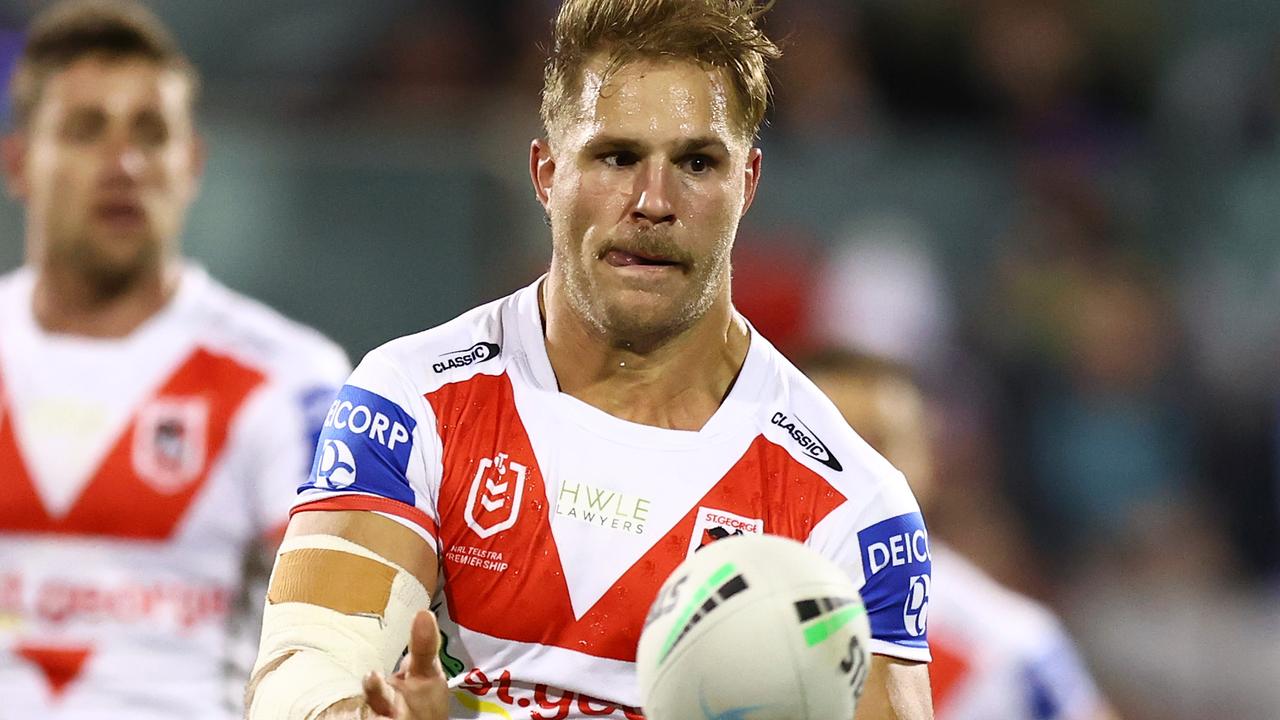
x,y
722,34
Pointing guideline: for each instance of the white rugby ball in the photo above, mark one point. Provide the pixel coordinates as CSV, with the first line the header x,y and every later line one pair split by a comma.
x,y
754,627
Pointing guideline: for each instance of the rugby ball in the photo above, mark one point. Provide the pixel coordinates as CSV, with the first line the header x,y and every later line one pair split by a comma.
x,y
754,627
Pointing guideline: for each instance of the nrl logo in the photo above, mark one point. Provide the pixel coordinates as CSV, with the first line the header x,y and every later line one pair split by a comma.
x,y
498,489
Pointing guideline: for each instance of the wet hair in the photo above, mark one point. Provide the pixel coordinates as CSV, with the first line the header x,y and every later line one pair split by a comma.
x,y
723,34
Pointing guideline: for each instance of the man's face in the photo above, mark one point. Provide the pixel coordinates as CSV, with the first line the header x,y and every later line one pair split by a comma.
x,y
107,167
644,188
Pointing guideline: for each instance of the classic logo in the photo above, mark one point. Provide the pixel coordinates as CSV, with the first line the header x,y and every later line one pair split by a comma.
x,y
169,442
712,525
497,490
477,353
337,466
915,612
807,439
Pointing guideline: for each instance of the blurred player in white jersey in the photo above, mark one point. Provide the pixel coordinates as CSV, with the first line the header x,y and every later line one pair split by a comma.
x,y
153,424
997,655
536,468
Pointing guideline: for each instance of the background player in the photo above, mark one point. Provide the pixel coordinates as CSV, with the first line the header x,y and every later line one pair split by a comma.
x,y
539,465
151,420
997,655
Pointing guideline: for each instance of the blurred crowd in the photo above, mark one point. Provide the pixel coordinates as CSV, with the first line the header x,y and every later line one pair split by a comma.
x,y
1064,214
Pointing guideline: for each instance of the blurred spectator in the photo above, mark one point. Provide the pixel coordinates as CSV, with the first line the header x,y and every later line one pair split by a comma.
x,y
824,91
881,290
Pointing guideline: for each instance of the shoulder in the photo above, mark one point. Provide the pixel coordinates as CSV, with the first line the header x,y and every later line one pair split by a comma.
x,y
15,290
16,280
248,330
798,417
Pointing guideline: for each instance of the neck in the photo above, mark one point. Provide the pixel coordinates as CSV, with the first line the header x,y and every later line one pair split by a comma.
x,y
678,382
67,301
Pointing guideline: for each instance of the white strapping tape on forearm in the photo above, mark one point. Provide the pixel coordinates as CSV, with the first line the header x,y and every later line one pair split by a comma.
x,y
330,651
302,687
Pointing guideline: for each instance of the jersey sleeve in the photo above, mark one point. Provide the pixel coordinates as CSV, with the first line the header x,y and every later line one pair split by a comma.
x,y
881,541
377,450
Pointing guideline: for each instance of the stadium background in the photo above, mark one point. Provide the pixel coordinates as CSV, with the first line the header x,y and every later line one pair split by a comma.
x,y
1065,213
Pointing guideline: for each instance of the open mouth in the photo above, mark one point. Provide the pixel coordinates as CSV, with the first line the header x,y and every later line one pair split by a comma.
x,y
623,258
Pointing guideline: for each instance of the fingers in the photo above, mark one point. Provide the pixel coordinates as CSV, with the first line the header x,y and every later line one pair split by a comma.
x,y
379,695
424,645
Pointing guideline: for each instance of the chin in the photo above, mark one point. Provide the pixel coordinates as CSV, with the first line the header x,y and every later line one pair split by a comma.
x,y
637,317
114,264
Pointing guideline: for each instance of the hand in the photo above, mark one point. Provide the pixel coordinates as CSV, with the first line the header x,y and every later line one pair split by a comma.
x,y
419,690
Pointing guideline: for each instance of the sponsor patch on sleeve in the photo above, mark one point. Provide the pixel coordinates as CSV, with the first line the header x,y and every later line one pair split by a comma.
x,y
897,566
364,446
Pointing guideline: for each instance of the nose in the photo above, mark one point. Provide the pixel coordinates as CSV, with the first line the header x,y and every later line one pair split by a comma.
x,y
125,162
653,202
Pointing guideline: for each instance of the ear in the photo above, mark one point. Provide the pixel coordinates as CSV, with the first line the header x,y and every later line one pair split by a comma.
x,y
13,154
542,169
752,177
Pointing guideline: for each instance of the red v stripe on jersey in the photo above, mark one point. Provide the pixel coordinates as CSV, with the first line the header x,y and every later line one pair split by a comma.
x,y
116,502
59,665
529,600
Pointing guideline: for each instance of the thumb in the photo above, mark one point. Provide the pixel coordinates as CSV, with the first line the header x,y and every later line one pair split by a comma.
x,y
424,644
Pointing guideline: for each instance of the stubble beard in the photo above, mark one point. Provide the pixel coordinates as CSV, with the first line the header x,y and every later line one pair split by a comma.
x,y
621,326
108,274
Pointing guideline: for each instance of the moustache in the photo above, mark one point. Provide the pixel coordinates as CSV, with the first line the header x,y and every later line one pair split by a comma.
x,y
652,244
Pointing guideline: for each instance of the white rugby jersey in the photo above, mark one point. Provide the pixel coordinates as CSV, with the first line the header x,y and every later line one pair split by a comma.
x,y
998,655
137,474
555,523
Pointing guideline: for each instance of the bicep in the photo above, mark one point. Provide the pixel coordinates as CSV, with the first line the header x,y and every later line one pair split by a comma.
x,y
382,536
896,690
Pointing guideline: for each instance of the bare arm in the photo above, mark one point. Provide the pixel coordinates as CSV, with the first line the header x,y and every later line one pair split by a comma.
x,y
896,690
380,535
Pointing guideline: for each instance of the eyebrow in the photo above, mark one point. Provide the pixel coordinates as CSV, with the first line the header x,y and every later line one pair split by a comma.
x,y
685,147
706,142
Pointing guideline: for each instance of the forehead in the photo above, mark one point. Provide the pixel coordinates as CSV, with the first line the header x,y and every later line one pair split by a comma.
x,y
653,100
116,86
